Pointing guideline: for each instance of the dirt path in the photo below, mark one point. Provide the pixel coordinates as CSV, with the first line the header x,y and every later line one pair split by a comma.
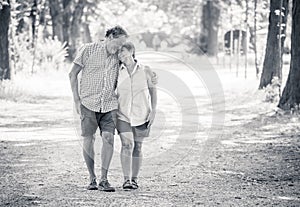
x,y
253,161
253,164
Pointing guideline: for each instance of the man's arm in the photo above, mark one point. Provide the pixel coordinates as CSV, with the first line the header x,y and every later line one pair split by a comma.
x,y
73,75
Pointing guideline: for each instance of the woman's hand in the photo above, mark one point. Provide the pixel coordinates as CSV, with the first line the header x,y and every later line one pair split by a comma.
x,y
154,78
151,117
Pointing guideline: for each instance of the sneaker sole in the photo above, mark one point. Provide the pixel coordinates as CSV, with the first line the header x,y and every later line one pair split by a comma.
x,y
128,189
107,190
95,188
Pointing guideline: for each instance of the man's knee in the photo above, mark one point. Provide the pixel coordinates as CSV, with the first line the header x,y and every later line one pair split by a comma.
x,y
108,138
89,139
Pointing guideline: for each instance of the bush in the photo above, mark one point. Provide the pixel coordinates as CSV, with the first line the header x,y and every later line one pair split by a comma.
x,y
10,91
273,91
48,54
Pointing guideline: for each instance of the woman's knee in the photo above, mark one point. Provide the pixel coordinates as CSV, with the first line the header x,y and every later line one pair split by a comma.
x,y
137,148
127,145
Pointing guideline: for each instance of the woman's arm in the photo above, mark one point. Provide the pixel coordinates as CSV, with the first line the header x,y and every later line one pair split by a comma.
x,y
153,94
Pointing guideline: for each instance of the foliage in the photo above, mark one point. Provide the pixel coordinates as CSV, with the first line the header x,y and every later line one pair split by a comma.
x,y
48,54
273,91
8,90
176,22
32,54
3,3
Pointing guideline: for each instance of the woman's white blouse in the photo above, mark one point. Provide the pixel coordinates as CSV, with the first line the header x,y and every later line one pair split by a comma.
x,y
133,95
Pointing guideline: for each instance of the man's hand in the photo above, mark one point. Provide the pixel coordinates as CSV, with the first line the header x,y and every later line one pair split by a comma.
x,y
151,117
77,107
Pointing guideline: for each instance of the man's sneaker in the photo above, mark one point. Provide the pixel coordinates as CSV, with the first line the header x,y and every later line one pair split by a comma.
x,y
93,185
134,184
127,185
105,186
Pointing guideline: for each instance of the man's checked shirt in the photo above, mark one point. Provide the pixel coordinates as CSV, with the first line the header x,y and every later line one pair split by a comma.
x,y
99,77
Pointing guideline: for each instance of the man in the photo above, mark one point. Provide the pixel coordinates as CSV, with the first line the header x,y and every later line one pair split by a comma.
x,y
96,102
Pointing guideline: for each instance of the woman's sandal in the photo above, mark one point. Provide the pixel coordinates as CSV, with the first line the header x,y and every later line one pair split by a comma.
x,y
127,185
134,184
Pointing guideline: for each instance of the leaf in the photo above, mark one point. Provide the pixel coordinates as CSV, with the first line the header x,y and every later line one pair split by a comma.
x,y
3,3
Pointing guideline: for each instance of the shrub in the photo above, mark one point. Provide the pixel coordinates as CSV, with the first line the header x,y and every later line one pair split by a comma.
x,y
273,91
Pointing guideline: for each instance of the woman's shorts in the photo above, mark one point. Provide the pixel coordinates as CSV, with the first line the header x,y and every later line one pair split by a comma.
x,y
138,131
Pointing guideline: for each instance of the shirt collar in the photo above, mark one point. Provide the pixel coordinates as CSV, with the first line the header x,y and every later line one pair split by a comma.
x,y
137,65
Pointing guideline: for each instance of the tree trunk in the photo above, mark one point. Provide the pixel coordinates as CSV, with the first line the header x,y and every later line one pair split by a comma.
x,y
290,98
86,33
32,15
66,20
43,18
75,27
57,20
255,39
245,40
211,15
21,22
4,44
272,62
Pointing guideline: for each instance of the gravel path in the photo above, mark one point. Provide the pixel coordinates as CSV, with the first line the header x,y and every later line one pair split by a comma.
x,y
253,161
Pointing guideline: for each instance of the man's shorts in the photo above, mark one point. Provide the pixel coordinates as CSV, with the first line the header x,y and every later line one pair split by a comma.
x,y
138,131
91,120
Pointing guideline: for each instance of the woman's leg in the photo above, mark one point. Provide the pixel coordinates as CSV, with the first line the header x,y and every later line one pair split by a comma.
x,y
137,157
126,153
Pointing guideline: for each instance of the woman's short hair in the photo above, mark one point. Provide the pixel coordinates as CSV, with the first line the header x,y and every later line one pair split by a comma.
x,y
116,32
129,46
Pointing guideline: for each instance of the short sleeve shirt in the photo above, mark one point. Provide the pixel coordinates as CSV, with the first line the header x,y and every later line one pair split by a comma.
x,y
133,95
99,77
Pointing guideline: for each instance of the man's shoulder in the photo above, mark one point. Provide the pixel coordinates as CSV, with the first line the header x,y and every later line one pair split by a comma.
x,y
146,68
94,45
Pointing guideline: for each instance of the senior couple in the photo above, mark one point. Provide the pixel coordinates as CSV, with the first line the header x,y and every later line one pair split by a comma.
x,y
116,92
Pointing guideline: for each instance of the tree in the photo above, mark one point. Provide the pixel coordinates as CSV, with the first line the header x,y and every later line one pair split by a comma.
x,y
290,98
75,26
32,15
255,38
66,19
273,57
210,21
4,43
57,19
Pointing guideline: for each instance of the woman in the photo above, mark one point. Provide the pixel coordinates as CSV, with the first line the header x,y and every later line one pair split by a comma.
x,y
137,100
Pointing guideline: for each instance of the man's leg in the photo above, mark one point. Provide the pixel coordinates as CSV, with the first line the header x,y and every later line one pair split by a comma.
x,y
89,154
106,153
126,153
88,128
106,122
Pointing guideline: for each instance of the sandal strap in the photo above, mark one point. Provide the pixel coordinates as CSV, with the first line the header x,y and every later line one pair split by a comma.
x,y
133,182
127,182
